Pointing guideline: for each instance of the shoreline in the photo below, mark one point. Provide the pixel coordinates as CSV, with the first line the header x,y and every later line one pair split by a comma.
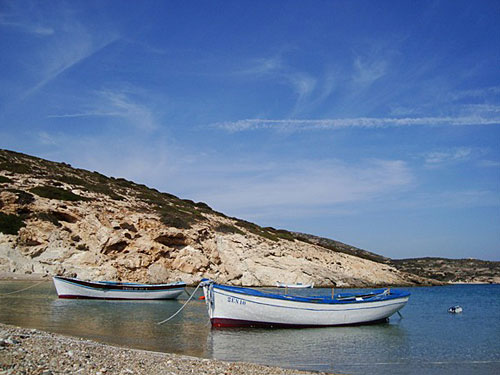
x,y
35,277
11,276
32,351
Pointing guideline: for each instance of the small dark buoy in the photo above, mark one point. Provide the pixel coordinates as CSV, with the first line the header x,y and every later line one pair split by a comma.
x,y
455,309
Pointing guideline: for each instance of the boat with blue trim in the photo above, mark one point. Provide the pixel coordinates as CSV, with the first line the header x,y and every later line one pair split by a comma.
x,y
69,287
294,286
230,306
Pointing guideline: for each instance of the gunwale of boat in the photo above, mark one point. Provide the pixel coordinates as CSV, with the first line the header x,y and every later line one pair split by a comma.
x,y
342,298
112,285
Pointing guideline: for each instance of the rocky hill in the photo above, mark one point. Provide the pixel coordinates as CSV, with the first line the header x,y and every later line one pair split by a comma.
x,y
56,219
341,247
452,270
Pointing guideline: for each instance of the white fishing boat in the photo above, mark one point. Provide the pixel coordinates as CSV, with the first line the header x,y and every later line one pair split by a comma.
x,y
68,287
243,307
294,286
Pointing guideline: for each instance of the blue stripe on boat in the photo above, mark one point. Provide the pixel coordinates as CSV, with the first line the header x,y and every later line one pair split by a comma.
x,y
377,296
119,287
311,309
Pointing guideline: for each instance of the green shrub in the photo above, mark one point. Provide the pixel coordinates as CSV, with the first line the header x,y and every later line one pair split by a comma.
x,y
5,180
10,224
175,221
255,229
103,189
267,235
69,179
203,206
226,228
100,177
190,211
88,184
179,217
57,193
305,239
169,196
151,199
286,235
15,167
48,216
24,197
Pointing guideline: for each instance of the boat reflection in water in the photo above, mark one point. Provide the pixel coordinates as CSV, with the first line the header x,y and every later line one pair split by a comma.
x,y
133,323
332,349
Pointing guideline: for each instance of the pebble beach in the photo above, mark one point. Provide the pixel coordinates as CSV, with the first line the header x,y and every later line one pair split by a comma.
x,y
31,351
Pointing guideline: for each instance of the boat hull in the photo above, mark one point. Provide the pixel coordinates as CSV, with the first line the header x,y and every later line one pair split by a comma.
x,y
294,286
232,309
234,323
74,288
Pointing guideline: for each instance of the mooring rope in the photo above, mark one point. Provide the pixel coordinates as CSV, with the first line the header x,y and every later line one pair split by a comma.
x,y
23,289
189,294
178,311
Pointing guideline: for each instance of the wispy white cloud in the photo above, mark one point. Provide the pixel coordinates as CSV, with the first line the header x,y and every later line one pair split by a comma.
x,y
367,72
314,88
261,67
86,114
47,139
470,198
132,155
446,157
308,87
361,122
440,158
137,113
302,83
482,108
57,40
118,103
305,183
329,82
64,57
489,163
261,189
30,28
485,92
275,68
465,198
24,17
231,184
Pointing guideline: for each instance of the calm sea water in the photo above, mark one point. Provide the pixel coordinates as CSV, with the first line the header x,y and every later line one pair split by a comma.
x,y
427,340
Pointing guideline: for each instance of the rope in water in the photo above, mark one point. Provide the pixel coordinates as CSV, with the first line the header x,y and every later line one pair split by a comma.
x,y
178,311
23,289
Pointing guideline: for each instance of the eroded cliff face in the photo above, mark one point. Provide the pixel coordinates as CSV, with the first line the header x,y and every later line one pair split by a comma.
x,y
116,234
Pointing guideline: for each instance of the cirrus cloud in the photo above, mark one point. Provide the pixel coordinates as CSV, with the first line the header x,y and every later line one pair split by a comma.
x,y
360,122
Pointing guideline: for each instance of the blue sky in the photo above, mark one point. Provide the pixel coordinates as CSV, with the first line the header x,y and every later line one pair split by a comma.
x,y
373,123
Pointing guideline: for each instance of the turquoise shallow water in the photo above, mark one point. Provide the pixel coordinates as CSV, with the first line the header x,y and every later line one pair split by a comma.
x,y
427,340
